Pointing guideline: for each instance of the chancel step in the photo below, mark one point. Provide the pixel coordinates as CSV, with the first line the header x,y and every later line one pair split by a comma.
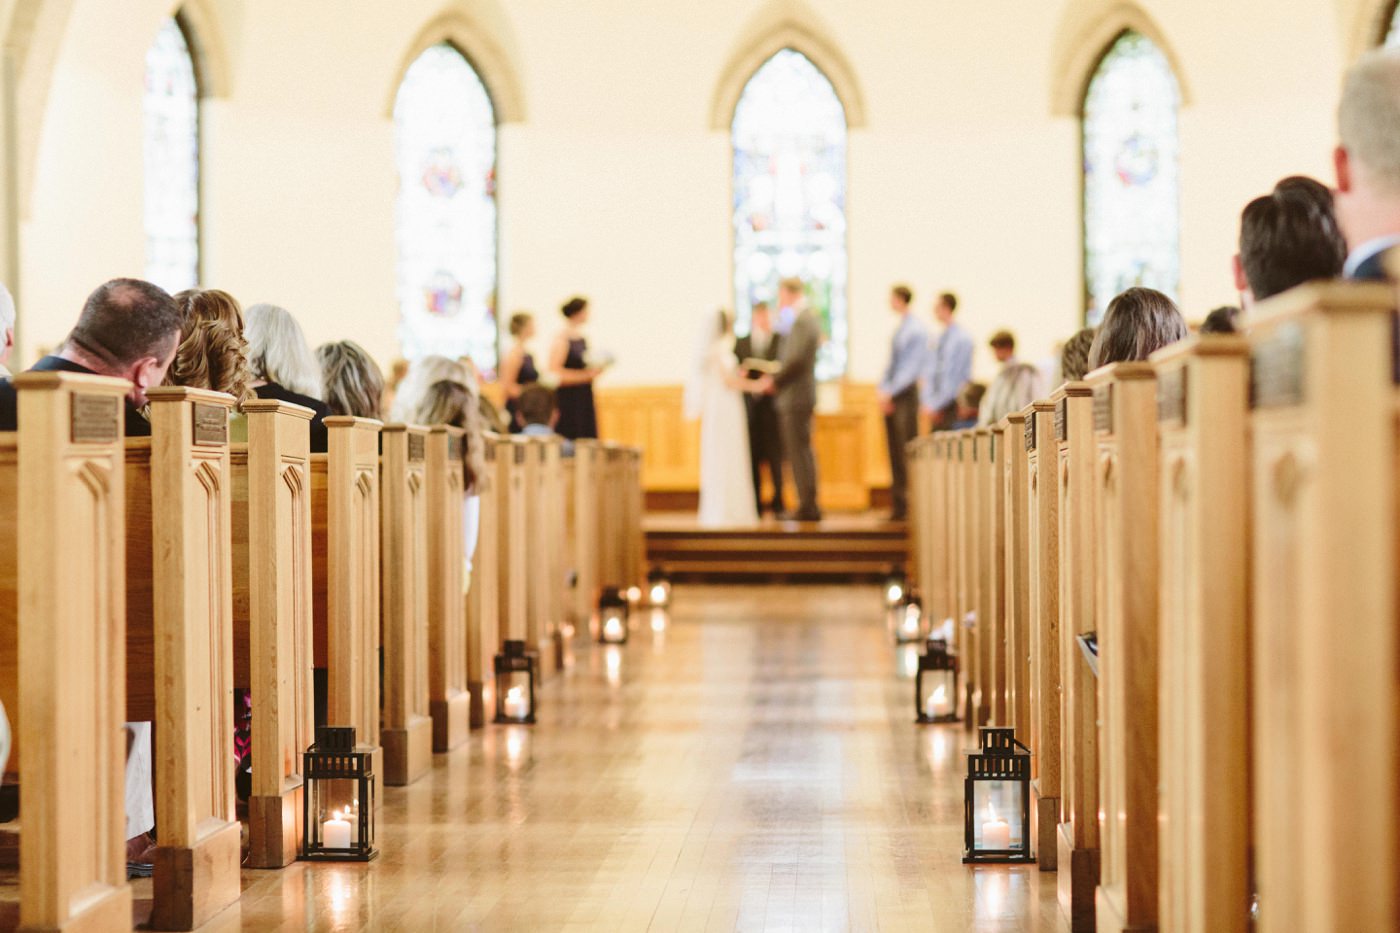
x,y
848,547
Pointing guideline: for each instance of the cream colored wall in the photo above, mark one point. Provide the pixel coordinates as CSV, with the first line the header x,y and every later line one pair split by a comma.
x,y
615,186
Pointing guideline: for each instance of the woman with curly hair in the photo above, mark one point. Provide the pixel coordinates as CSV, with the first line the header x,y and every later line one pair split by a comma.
x,y
212,353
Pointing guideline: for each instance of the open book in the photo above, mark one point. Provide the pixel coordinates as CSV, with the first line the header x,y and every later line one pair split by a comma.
x,y
754,364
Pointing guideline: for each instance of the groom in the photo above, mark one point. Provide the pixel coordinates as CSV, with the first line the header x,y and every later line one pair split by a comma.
x,y
795,384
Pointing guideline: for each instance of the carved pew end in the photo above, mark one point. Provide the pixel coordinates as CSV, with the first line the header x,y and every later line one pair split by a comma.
x,y
408,752
451,721
1078,876
194,884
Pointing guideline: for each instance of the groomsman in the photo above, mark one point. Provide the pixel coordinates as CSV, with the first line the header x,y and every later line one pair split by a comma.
x,y
949,366
765,441
898,394
1367,161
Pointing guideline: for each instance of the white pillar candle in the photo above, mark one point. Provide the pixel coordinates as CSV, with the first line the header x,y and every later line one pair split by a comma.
x,y
335,832
996,832
937,703
516,705
658,595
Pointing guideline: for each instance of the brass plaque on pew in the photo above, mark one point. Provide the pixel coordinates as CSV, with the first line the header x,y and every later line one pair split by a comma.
x,y
972,446
519,453
210,425
490,451
415,448
93,419
1276,369
1030,432
1103,408
1171,396
992,449
960,449
454,447
1062,420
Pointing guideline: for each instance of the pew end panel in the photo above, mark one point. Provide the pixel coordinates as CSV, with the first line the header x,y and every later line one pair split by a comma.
x,y
483,637
979,496
995,568
449,701
1043,508
1017,574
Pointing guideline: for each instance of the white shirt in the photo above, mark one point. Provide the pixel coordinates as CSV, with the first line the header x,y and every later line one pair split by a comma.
x,y
1368,249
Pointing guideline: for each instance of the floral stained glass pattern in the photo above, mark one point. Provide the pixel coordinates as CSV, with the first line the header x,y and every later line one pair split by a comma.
x,y
1132,217
171,156
789,138
445,215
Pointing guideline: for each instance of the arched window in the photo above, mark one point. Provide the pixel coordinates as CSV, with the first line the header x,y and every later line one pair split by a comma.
x,y
445,215
171,155
1132,215
789,136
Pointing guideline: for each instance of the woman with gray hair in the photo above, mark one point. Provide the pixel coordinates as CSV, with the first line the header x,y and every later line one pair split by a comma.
x,y
282,365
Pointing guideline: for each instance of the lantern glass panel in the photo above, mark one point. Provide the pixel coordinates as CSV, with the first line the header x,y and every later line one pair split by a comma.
x,y
909,622
938,693
514,695
997,806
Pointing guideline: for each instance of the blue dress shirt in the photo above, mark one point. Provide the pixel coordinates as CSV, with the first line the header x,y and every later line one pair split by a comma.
x,y
907,357
949,367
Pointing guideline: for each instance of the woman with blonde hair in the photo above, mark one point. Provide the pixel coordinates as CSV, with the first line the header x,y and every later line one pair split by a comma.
x,y
448,401
212,353
422,373
351,381
283,366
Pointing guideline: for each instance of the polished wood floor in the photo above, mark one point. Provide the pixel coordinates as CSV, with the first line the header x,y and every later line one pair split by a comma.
x,y
751,766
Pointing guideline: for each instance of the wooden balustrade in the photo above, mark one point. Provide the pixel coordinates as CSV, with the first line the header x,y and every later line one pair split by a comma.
x,y
449,700
407,731
483,626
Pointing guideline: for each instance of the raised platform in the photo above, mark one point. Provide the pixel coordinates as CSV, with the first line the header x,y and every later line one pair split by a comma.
x,y
841,547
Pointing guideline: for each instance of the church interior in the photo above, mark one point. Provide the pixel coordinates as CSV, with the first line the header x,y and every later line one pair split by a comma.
x,y
374,555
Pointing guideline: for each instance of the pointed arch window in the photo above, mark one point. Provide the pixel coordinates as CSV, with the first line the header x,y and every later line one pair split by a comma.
x,y
445,213
789,147
1132,214
170,110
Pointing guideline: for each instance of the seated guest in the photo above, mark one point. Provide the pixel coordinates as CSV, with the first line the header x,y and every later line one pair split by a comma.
x,y
1138,323
492,419
351,382
284,367
422,373
1074,357
1016,386
969,404
451,402
213,352
537,415
1223,320
1367,160
1287,237
7,330
128,329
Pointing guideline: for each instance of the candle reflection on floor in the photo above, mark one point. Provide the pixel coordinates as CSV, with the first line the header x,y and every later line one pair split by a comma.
x,y
613,661
907,661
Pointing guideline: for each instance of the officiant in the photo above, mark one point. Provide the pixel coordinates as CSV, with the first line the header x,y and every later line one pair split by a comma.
x,y
765,442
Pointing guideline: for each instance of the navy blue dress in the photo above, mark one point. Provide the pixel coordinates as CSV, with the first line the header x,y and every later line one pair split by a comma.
x,y
577,416
528,374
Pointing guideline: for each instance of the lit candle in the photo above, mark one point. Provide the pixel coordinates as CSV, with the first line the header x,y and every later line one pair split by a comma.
x,y
634,594
996,833
658,594
335,832
937,703
894,594
515,703
612,629
911,621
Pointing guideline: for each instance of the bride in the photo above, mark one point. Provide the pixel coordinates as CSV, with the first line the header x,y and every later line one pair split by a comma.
x,y
714,394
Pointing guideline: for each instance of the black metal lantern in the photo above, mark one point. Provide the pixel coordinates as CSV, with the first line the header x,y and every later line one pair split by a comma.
x,y
908,620
613,614
997,800
896,586
936,684
337,819
516,672
658,588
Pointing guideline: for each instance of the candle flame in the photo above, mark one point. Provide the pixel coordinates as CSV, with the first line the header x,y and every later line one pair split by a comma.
x,y
513,693
991,812
658,593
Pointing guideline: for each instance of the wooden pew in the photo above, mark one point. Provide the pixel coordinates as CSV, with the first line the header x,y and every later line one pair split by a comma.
x,y
612,520
544,512
994,574
636,511
512,538
483,633
62,621
1077,860
557,469
1324,554
272,615
916,455
585,509
960,495
345,510
946,531
1043,509
449,700
1017,563
1126,433
407,731
979,444
1202,406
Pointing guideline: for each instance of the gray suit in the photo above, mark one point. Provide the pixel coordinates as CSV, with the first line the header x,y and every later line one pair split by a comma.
x,y
796,383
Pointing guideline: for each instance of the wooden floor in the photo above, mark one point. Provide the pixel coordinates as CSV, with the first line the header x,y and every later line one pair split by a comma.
x,y
754,766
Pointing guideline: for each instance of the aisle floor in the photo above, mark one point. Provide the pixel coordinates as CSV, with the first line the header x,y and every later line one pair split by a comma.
x,y
753,766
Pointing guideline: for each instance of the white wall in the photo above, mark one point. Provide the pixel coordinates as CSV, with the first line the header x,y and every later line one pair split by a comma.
x,y
616,187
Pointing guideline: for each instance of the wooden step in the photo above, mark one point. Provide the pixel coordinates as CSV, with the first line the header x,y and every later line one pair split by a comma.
x,y
847,547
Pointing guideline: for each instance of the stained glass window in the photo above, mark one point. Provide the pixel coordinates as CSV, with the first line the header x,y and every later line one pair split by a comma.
x,y
1392,34
171,155
1132,216
445,216
789,136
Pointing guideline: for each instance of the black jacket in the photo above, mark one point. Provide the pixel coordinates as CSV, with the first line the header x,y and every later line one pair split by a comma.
x,y
136,423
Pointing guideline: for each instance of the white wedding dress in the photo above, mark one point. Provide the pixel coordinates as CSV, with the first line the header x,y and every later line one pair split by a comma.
x,y
726,477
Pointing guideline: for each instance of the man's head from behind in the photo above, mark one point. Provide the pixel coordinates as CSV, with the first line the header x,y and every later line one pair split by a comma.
x,y
1367,157
944,306
128,329
900,296
537,406
1003,344
1288,237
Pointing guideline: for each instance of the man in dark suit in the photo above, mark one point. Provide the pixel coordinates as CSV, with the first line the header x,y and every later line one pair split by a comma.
x,y
765,440
1367,160
795,385
128,329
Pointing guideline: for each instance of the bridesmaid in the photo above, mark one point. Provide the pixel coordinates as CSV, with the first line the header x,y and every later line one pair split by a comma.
x,y
568,363
518,368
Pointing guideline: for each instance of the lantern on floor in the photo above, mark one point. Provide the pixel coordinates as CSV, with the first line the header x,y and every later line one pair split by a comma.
x,y
896,585
936,684
613,612
909,621
658,588
338,816
516,672
996,800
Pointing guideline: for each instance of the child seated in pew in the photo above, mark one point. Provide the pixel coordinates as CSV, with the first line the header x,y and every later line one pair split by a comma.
x,y
352,382
456,404
536,415
969,405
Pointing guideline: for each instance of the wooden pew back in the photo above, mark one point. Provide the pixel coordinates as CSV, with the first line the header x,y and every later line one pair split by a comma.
x,y
448,696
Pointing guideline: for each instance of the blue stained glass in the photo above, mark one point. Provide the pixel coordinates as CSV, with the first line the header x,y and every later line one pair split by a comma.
x,y
1132,215
445,213
170,202
789,139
